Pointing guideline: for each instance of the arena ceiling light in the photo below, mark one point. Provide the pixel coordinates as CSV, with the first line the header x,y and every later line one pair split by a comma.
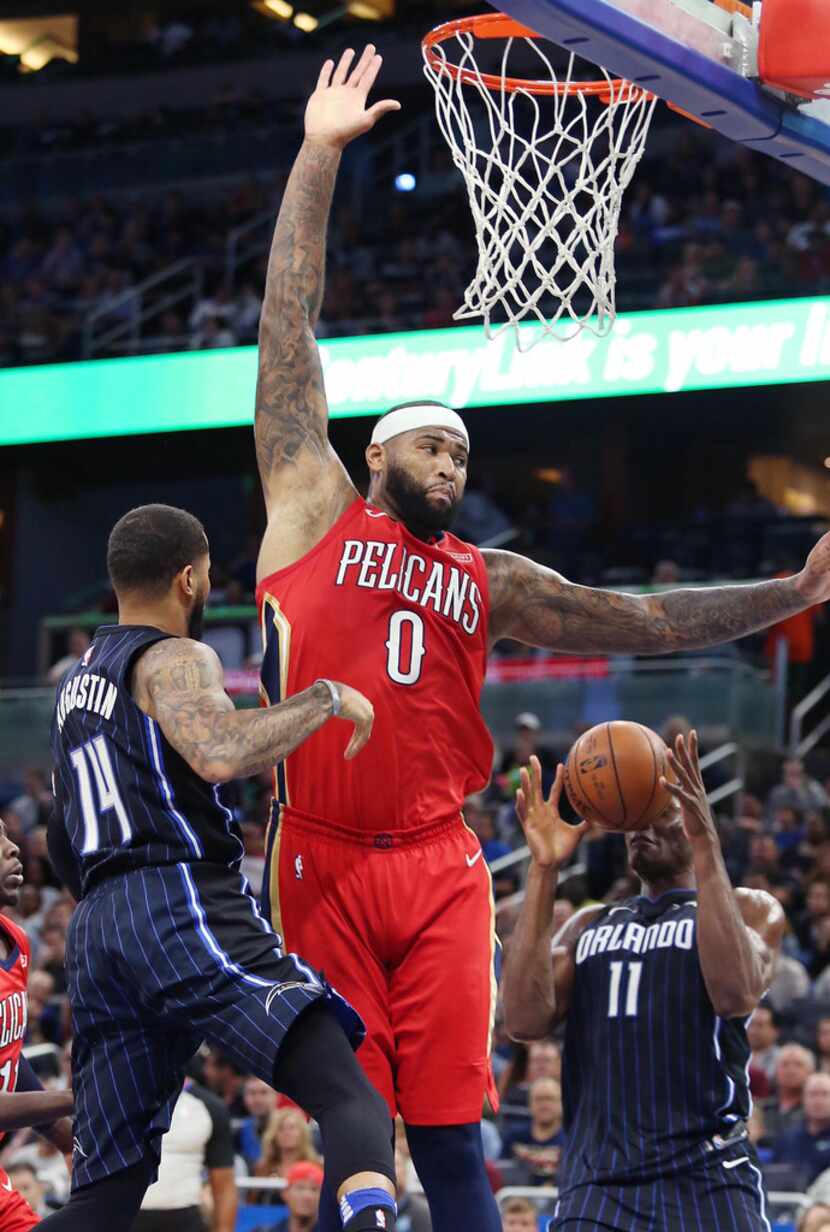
x,y
315,14
36,41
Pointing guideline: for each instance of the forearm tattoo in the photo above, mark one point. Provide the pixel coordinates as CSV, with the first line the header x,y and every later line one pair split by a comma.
x,y
539,607
180,683
291,412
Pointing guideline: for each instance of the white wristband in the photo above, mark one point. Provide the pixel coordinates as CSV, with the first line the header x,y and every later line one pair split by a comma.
x,y
336,700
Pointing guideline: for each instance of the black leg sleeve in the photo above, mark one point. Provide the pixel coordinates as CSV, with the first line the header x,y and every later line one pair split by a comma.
x,y
111,1204
317,1068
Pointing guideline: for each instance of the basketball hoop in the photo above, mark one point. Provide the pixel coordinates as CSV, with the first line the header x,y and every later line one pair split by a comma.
x,y
545,180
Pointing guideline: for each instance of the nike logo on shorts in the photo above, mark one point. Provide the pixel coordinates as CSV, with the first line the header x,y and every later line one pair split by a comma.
x,y
472,859
733,1163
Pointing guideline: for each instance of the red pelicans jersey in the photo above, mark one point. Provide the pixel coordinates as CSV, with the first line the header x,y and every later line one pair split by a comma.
x,y
405,622
14,975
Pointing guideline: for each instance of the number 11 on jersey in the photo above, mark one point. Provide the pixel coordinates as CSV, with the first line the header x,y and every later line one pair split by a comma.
x,y
632,988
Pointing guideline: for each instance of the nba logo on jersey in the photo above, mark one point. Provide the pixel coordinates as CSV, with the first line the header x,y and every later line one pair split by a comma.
x,y
85,660
298,868
380,1218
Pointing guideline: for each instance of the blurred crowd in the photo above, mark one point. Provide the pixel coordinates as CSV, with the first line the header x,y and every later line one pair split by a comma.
x,y
702,223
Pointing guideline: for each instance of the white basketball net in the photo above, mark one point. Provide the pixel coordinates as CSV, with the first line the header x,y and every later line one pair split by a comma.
x,y
545,177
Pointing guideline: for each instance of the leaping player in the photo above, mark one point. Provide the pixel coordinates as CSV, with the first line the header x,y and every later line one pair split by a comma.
x,y
23,1101
372,872
656,993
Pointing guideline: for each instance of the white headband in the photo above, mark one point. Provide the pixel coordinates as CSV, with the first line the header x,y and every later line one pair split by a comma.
x,y
406,418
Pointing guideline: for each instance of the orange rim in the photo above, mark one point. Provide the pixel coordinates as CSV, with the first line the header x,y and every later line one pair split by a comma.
x,y
499,25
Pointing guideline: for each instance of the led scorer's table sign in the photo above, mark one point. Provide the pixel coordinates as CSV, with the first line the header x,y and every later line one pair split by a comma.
x,y
727,346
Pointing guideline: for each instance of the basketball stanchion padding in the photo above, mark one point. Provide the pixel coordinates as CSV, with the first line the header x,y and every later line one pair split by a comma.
x,y
546,163
794,46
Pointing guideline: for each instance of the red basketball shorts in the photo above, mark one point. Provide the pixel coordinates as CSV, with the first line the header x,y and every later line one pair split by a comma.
x,y
15,1213
402,925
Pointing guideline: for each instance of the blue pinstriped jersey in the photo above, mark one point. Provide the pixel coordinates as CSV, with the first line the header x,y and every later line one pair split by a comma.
x,y
128,800
650,1072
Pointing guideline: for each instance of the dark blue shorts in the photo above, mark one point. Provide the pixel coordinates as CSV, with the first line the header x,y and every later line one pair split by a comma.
x,y
724,1193
157,961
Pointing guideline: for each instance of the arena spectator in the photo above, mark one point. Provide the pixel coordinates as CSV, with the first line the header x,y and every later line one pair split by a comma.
x,y
518,1215
51,956
261,1102
815,1218
199,1143
286,1141
797,790
45,1160
762,1034
78,643
526,743
34,804
25,1180
784,1111
223,1078
807,1146
790,980
45,1025
538,1145
813,927
302,1198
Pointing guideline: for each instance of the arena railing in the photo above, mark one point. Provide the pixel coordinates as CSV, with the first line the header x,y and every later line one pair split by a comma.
x,y
180,282
800,745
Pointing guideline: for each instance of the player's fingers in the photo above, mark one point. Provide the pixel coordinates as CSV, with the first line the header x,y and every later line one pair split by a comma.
x,y
383,108
521,805
694,747
324,80
342,70
360,736
536,774
555,794
680,769
362,76
674,789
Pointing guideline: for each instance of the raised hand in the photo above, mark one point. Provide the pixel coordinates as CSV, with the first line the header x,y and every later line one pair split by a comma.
x,y
357,709
337,111
689,791
551,840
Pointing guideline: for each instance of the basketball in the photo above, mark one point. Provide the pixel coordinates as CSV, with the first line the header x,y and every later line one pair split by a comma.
x,y
612,776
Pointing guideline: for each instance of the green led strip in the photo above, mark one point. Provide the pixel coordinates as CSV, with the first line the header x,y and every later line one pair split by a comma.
x,y
727,346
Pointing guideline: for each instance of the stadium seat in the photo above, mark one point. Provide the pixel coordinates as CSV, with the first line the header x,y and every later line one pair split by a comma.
x,y
250,1217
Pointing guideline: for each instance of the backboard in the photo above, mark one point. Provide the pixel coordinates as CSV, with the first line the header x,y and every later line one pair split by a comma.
x,y
697,55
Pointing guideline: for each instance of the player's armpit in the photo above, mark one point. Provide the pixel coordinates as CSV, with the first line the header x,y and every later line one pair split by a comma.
x,y
563,950
539,607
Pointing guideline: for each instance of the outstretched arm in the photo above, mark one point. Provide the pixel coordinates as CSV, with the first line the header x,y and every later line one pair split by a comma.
x,y
303,480
538,973
180,684
541,608
745,925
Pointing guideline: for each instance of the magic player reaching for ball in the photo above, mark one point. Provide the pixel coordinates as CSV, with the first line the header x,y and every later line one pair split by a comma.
x,y
656,993
372,872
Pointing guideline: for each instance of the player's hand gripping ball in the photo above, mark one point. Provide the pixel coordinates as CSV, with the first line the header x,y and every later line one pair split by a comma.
x,y
612,776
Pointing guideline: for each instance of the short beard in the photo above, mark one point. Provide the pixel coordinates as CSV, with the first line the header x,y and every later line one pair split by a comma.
x,y
196,621
417,514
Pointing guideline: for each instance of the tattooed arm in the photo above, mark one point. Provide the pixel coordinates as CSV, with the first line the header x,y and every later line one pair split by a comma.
x,y
306,486
539,607
179,683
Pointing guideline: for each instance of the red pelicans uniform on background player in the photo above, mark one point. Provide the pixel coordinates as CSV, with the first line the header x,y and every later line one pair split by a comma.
x,y
22,1098
373,875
